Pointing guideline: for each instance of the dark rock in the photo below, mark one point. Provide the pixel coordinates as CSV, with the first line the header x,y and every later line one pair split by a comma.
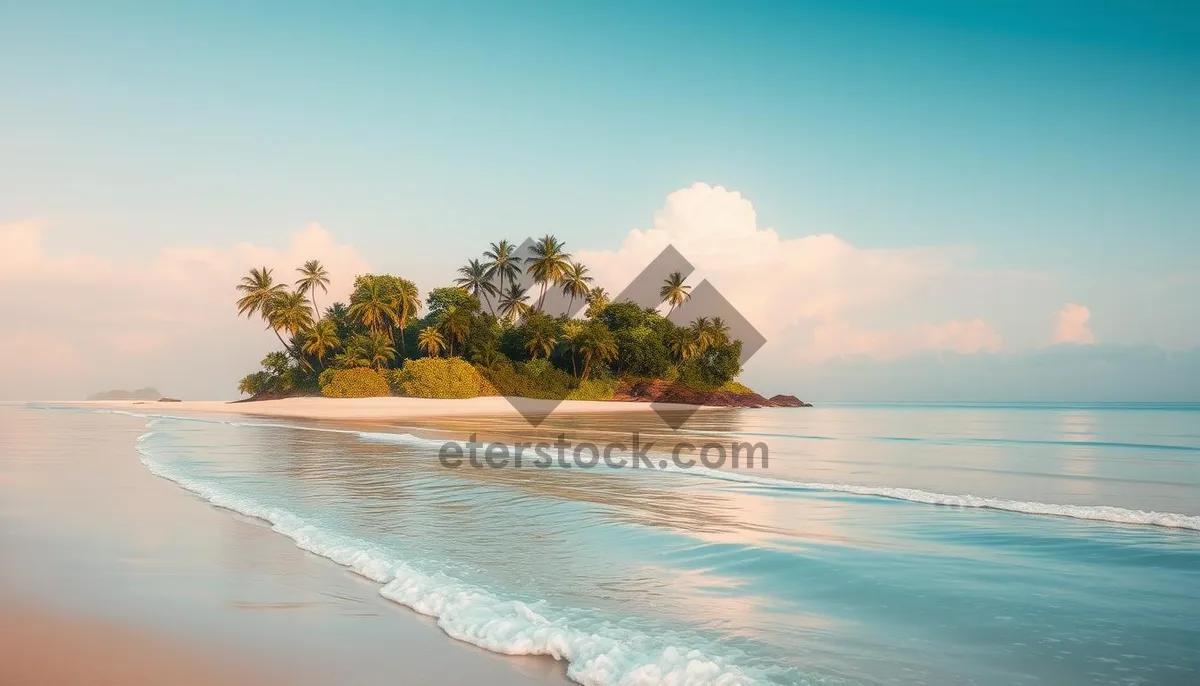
x,y
787,401
660,391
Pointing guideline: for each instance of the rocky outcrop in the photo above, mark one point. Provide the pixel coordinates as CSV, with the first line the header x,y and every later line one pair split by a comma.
x,y
666,392
787,401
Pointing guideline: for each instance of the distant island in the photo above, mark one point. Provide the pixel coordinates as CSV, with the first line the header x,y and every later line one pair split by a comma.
x,y
147,393
486,335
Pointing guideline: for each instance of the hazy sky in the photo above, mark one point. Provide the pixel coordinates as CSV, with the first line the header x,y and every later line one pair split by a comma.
x,y
990,189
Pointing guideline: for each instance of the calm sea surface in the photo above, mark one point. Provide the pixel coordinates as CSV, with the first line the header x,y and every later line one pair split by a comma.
x,y
896,544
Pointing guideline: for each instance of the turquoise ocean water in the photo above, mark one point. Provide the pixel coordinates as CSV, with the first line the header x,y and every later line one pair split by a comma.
x,y
881,544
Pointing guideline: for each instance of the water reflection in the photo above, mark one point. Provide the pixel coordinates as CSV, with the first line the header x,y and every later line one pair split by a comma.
x,y
818,582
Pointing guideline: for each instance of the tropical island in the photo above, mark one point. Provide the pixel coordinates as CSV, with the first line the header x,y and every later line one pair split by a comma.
x,y
488,335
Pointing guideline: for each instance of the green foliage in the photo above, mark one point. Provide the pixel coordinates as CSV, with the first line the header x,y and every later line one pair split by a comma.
x,y
441,300
533,379
594,389
736,387
641,337
367,350
454,323
597,345
672,374
483,337
435,377
537,335
712,368
514,347
276,363
326,377
359,382
279,374
383,302
597,300
253,384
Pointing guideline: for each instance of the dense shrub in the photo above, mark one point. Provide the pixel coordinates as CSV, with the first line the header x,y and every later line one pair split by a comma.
x,y
436,377
641,335
280,375
357,382
713,368
736,387
253,384
541,379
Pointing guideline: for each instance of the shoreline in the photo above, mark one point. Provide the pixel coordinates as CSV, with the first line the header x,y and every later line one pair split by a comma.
x,y
138,580
386,408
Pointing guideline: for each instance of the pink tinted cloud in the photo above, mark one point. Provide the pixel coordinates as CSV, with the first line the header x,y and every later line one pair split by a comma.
x,y
1071,326
814,296
169,321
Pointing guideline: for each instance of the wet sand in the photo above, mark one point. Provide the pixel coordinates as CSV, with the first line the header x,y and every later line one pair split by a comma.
x,y
41,648
377,409
109,572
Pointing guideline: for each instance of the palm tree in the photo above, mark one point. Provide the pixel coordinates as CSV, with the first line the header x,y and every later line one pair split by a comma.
x,y
339,314
597,300
321,338
475,281
674,291
541,340
702,333
547,264
720,331
596,343
454,325
289,312
502,262
575,283
489,358
570,338
374,350
312,276
512,303
376,310
261,290
430,341
682,342
408,303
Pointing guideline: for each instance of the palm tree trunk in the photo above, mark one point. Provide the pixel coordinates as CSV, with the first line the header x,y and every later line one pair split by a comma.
x,y
294,353
502,290
587,366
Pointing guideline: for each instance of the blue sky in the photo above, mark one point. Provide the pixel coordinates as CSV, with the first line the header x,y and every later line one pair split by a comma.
x,y
1056,138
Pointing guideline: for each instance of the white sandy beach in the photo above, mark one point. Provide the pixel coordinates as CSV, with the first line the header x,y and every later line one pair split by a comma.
x,y
373,409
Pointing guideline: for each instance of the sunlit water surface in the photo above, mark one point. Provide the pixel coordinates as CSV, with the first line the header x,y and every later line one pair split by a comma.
x,y
853,556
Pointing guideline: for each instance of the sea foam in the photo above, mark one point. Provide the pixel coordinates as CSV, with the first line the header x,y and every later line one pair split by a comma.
x,y
1098,513
596,653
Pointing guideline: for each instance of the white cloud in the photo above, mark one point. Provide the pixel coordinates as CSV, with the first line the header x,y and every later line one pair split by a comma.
x,y
85,324
814,297
1071,325
836,339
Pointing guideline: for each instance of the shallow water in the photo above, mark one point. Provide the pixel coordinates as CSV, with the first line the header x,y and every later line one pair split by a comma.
x,y
854,556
